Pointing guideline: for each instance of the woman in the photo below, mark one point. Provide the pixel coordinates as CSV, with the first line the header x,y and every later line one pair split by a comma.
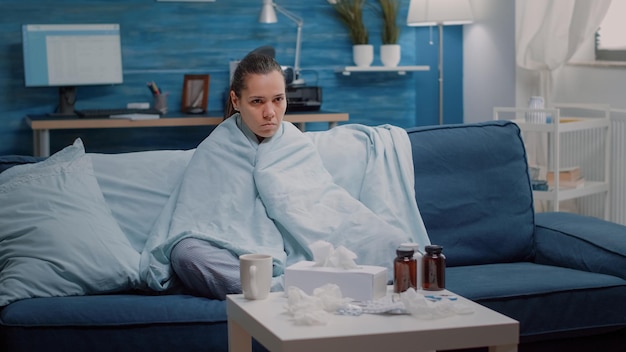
x,y
257,184
258,101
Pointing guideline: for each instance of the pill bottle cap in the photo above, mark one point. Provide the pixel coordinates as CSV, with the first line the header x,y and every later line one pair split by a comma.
x,y
403,252
434,249
411,245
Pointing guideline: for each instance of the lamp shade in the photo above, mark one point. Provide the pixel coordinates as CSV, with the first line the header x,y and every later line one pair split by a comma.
x,y
434,12
267,15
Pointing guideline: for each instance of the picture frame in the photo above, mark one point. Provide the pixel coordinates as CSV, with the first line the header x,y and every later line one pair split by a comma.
x,y
195,94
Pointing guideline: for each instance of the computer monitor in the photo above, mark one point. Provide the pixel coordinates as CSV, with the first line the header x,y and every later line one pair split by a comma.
x,y
71,55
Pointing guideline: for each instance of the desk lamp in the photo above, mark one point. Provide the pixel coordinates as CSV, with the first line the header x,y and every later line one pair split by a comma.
x,y
439,13
268,15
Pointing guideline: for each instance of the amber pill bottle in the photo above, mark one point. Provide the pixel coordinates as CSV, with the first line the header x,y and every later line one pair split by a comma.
x,y
433,269
404,270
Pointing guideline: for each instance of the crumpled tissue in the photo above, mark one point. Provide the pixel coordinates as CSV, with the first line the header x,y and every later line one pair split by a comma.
x,y
432,306
314,309
324,254
317,309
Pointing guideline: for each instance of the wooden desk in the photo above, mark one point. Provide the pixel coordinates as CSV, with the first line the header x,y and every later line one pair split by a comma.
x,y
42,124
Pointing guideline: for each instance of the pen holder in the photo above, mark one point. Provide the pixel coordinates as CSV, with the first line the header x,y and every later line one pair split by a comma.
x,y
160,102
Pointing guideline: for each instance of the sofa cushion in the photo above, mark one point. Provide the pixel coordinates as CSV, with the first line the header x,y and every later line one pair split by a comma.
x,y
580,242
547,300
137,185
473,190
121,322
57,235
122,309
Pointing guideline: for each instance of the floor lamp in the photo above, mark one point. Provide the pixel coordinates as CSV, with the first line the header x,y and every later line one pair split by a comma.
x,y
439,13
268,15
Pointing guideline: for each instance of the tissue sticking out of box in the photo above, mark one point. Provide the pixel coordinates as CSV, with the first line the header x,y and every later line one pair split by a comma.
x,y
326,255
337,266
363,283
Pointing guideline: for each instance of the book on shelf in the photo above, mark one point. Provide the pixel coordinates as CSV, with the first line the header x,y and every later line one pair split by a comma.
x,y
570,174
569,184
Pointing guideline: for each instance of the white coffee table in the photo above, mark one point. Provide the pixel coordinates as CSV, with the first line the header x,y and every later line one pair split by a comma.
x,y
268,322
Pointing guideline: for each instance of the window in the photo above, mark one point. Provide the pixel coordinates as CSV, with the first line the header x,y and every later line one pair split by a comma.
x,y
610,39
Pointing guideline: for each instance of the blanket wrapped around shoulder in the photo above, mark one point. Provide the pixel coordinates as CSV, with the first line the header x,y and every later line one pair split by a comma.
x,y
278,196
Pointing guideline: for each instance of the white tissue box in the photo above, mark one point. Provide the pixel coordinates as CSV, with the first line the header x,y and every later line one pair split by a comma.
x,y
366,282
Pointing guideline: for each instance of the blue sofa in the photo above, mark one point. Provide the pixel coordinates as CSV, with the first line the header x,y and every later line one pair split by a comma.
x,y
562,276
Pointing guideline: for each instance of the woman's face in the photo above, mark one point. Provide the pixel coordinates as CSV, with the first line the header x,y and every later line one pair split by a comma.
x,y
263,103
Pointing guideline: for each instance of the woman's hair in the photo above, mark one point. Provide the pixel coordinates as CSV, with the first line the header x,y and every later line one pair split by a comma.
x,y
253,63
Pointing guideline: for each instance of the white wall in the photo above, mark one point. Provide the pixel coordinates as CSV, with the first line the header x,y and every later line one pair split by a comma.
x,y
492,78
489,59
582,84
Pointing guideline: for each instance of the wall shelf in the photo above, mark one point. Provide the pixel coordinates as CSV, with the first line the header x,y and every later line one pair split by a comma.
x,y
401,70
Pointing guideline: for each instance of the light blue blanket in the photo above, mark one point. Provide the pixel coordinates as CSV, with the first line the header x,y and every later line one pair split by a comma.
x,y
278,196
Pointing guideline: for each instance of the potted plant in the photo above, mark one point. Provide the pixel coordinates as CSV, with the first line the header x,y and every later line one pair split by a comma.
x,y
350,12
390,50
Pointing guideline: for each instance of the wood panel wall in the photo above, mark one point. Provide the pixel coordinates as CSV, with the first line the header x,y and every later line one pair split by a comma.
x,y
162,41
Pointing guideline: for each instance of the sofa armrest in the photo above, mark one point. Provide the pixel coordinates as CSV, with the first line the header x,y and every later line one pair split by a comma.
x,y
580,242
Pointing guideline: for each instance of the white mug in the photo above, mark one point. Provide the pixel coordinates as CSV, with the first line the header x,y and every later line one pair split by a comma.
x,y
255,272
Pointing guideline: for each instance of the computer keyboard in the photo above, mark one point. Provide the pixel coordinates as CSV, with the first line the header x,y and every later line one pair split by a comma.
x,y
104,113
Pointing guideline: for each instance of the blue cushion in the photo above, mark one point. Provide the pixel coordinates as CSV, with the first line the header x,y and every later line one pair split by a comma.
x,y
581,242
191,337
113,310
121,322
545,299
57,235
473,191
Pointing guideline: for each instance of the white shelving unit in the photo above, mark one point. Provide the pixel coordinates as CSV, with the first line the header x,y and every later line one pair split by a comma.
x,y
401,70
554,130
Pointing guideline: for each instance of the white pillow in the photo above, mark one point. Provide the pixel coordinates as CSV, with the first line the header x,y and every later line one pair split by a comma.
x,y
57,235
137,185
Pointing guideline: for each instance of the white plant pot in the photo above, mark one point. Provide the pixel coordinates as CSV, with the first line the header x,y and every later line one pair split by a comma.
x,y
390,55
363,54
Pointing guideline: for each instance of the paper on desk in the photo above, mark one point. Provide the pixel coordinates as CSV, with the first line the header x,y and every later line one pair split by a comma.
x,y
136,116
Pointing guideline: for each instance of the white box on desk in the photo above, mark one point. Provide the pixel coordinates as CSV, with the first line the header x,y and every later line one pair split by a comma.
x,y
366,282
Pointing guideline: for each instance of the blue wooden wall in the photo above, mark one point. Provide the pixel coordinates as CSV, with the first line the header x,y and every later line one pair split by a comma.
x,y
162,41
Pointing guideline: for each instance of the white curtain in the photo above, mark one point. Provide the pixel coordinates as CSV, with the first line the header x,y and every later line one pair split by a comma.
x,y
549,32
